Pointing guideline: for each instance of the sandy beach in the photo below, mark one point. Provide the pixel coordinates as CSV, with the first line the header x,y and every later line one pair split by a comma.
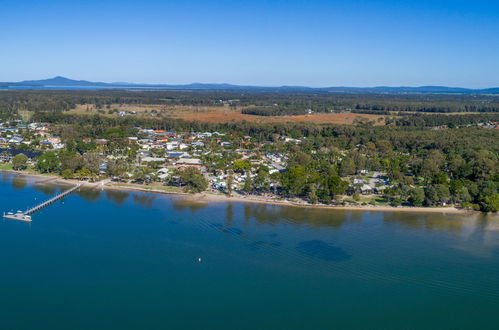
x,y
207,197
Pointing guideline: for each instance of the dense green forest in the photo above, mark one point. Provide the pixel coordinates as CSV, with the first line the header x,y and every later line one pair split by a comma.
x,y
426,120
281,110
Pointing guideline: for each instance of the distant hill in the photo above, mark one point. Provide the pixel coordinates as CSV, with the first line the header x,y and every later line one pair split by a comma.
x,y
490,90
66,82
387,89
59,81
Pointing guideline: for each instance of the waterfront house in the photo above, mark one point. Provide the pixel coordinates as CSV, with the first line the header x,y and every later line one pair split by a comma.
x,y
366,189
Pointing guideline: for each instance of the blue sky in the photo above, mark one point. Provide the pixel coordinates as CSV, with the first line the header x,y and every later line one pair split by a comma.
x,y
293,42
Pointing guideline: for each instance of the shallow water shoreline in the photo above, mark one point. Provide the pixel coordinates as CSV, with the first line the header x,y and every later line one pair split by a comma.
x,y
213,198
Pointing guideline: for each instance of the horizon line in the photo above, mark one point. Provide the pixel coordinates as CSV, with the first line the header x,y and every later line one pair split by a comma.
x,y
250,85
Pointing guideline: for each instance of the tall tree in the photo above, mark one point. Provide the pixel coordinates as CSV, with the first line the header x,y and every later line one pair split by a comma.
x,y
19,162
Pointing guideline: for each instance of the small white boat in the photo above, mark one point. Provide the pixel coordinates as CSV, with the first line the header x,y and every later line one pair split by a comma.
x,y
17,216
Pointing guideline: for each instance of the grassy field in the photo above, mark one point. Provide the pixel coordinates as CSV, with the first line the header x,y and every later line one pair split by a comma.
x,y
5,166
224,114
367,199
8,167
153,186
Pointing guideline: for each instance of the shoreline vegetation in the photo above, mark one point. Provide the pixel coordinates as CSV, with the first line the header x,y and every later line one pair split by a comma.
x,y
207,197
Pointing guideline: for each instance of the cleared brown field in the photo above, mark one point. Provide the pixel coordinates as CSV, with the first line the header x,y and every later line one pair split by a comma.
x,y
226,114
142,108
325,118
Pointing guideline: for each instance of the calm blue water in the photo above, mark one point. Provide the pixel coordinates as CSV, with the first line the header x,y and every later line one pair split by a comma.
x,y
129,260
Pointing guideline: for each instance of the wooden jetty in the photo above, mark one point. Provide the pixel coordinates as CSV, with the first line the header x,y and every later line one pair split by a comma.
x,y
26,216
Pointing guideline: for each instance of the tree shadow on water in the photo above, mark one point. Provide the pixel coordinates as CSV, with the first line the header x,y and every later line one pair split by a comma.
x,y
46,189
144,200
90,195
118,197
180,204
19,182
6,177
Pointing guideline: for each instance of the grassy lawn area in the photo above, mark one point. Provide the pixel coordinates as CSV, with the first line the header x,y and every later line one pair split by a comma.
x,y
5,166
381,201
372,200
153,186
8,166
31,170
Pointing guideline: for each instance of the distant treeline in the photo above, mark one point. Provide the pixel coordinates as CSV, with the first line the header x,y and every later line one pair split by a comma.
x,y
262,103
282,110
372,112
391,108
427,120
428,106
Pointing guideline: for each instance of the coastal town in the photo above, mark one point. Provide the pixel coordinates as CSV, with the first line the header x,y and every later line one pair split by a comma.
x,y
224,163
211,162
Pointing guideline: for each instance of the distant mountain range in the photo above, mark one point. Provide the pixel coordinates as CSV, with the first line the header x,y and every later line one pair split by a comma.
x,y
62,83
